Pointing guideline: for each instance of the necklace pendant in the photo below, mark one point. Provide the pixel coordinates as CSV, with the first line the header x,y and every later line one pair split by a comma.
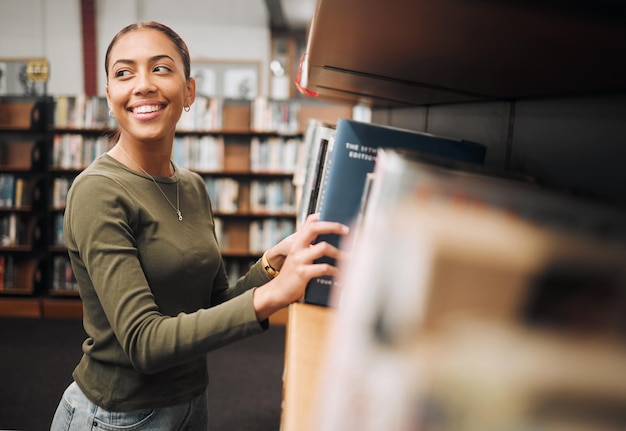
x,y
180,216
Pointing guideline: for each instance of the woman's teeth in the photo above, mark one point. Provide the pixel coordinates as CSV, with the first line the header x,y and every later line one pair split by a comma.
x,y
146,109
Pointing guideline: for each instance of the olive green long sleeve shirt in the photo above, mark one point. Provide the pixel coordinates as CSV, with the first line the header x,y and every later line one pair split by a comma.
x,y
154,289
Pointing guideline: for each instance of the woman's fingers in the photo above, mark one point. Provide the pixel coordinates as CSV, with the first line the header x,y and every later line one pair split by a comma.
x,y
311,230
312,217
301,263
315,251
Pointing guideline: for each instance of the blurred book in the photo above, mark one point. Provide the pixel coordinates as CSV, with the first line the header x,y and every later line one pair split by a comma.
x,y
465,318
434,181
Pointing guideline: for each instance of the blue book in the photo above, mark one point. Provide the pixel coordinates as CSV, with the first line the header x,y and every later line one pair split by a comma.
x,y
7,190
352,157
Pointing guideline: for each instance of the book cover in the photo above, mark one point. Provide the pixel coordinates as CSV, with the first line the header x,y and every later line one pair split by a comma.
x,y
23,193
7,190
352,158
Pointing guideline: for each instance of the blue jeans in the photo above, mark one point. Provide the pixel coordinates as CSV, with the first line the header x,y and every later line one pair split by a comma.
x,y
76,413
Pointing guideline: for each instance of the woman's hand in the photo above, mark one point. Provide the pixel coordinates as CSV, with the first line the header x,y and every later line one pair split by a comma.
x,y
295,257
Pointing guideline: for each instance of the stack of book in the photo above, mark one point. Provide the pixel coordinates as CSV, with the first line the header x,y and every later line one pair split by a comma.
x,y
82,112
200,153
15,192
338,162
469,299
75,151
458,316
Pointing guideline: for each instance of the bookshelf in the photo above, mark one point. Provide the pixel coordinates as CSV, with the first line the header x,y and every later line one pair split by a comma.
x,y
24,140
306,343
509,75
538,82
49,141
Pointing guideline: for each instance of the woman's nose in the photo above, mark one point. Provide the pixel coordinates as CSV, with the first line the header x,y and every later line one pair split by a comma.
x,y
144,83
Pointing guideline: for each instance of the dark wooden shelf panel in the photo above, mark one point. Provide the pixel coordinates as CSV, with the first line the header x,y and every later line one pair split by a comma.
x,y
58,307
63,293
251,214
240,254
20,209
246,174
20,307
24,248
422,52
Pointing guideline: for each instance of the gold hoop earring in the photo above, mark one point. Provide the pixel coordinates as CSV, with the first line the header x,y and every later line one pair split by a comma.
x,y
187,108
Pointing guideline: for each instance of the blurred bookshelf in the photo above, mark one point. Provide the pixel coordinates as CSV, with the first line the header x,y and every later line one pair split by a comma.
x,y
245,150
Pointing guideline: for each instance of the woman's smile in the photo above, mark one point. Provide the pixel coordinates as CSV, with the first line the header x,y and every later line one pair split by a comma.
x,y
146,109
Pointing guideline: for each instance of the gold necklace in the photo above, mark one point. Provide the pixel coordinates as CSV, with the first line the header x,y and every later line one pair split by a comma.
x,y
177,207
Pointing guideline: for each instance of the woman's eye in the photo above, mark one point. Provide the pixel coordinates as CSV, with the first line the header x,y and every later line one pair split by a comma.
x,y
162,69
122,73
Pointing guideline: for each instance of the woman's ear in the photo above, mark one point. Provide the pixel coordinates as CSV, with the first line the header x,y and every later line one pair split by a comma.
x,y
106,90
190,97
109,101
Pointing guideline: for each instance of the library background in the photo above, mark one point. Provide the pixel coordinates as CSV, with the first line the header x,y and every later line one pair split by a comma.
x,y
489,274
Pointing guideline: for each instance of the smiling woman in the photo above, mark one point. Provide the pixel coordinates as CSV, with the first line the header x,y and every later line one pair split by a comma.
x,y
148,84
155,294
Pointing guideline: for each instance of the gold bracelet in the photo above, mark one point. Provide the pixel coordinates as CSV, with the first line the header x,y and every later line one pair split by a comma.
x,y
271,271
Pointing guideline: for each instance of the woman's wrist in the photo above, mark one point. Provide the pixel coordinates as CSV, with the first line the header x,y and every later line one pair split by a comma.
x,y
269,267
276,255
264,302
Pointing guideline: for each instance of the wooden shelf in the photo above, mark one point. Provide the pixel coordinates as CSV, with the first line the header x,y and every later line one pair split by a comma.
x,y
16,115
281,317
308,328
62,308
21,209
422,52
248,215
82,131
63,293
245,132
246,173
240,254
28,307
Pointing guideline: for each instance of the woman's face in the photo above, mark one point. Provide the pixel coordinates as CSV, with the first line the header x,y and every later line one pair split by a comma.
x,y
146,87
